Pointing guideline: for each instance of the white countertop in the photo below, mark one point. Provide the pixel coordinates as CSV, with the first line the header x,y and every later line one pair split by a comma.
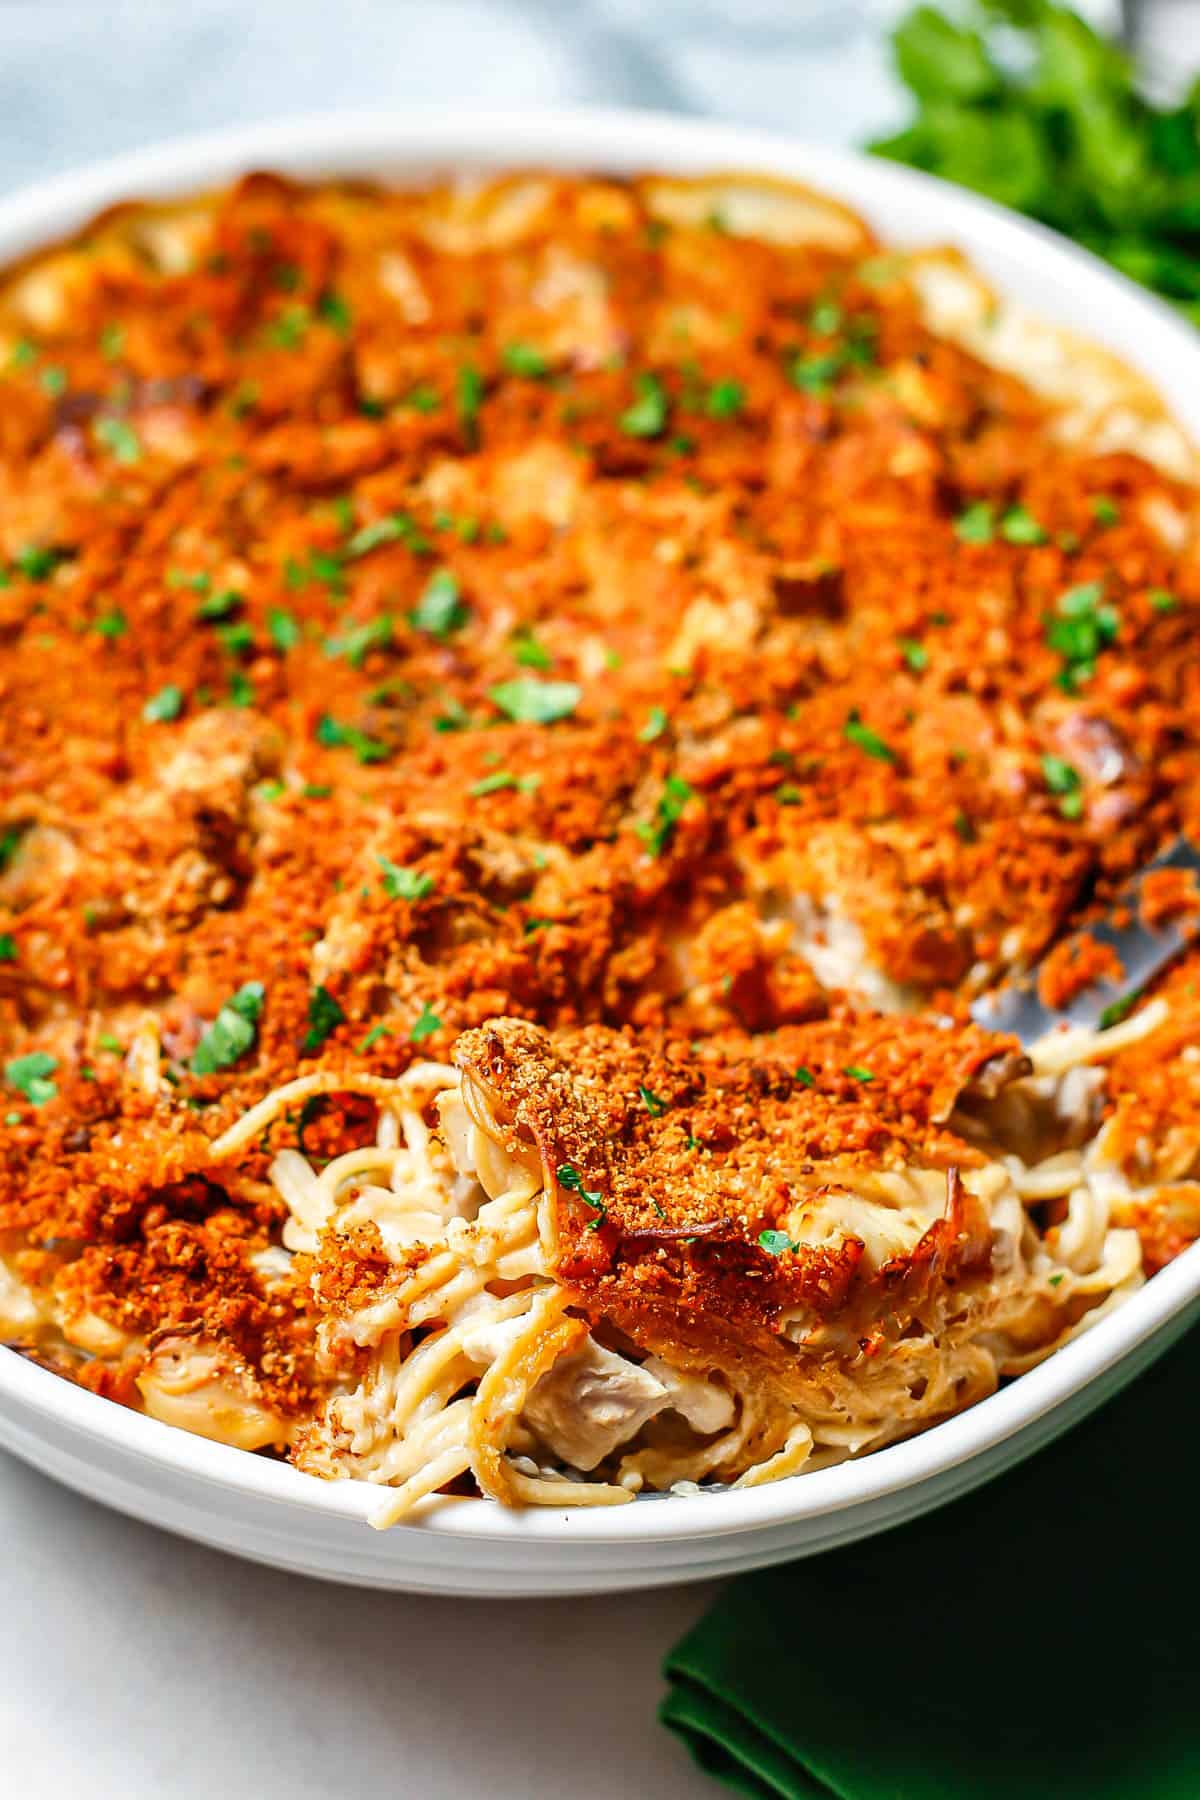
x,y
134,1666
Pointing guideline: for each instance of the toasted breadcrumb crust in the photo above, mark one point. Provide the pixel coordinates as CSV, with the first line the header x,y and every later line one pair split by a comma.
x,y
541,607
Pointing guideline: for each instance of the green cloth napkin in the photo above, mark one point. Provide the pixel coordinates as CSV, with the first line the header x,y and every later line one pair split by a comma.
x,y
1040,1637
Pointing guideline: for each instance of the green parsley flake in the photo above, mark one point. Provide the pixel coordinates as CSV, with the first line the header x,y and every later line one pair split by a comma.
x,y
826,318
373,634
654,727
283,629
529,652
493,784
112,624
1063,779
655,1106
333,311
106,1041
671,804
776,1243
373,1036
1119,1009
977,524
866,739
324,1016
422,398
440,609
816,374
232,1032
164,706
570,1178
53,381
393,528
804,1076
30,1075
404,884
241,689
725,399
426,1024
337,736
219,606
915,654
237,637
528,701
289,329
647,417
112,342
469,398
856,1073
1105,510
1080,629
524,360
1161,601
36,561
8,947
1018,526
119,437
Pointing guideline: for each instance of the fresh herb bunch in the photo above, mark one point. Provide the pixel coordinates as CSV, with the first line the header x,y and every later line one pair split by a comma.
x,y
1023,101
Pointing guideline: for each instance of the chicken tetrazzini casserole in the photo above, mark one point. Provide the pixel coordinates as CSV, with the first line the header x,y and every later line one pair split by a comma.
x,y
529,711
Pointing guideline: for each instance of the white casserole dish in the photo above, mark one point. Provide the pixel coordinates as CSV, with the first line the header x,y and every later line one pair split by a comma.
x,y
273,1513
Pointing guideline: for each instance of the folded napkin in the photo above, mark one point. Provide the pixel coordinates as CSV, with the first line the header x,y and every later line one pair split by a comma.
x,y
1039,1638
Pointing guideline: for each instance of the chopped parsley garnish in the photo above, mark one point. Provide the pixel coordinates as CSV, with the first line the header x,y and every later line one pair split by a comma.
x,y
671,803
232,1032
316,790
422,398
219,606
8,947
1161,601
1018,526
337,736
119,437
915,654
373,634
393,528
283,629
1105,510
36,561
404,884
440,609
816,374
324,1016
197,581
647,416
53,381
469,398
788,794
866,739
1054,1280
112,342
106,1041
236,637
529,652
654,727
528,701
977,524
288,330
775,1243
333,311
524,359
725,399
112,624
10,839
857,1073
373,1036
1080,629
241,689
1063,779
164,706
570,1178
655,1106
804,1076
31,1076
427,1022
496,783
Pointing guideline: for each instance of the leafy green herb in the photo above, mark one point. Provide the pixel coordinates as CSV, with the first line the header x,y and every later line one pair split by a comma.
x,y
337,736
119,437
725,399
31,1076
857,1073
422,398
324,1016
529,701
36,561
776,1243
373,1036
497,783
654,727
570,1178
1105,510
8,947
915,654
241,688
53,381
667,814
866,739
112,342
288,330
232,1032
977,524
826,318
426,1024
1119,1009
237,637
524,359
655,1106
197,581
164,706
1018,526
404,884
469,398
440,609
529,652
373,634
647,416
283,629
316,790
393,528
106,1041
111,624
219,606
333,311
1080,629
1161,601
816,374
1063,779
1054,1280
804,1076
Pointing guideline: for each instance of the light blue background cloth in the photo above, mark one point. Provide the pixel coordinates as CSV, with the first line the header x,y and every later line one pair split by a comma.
x,y
81,78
